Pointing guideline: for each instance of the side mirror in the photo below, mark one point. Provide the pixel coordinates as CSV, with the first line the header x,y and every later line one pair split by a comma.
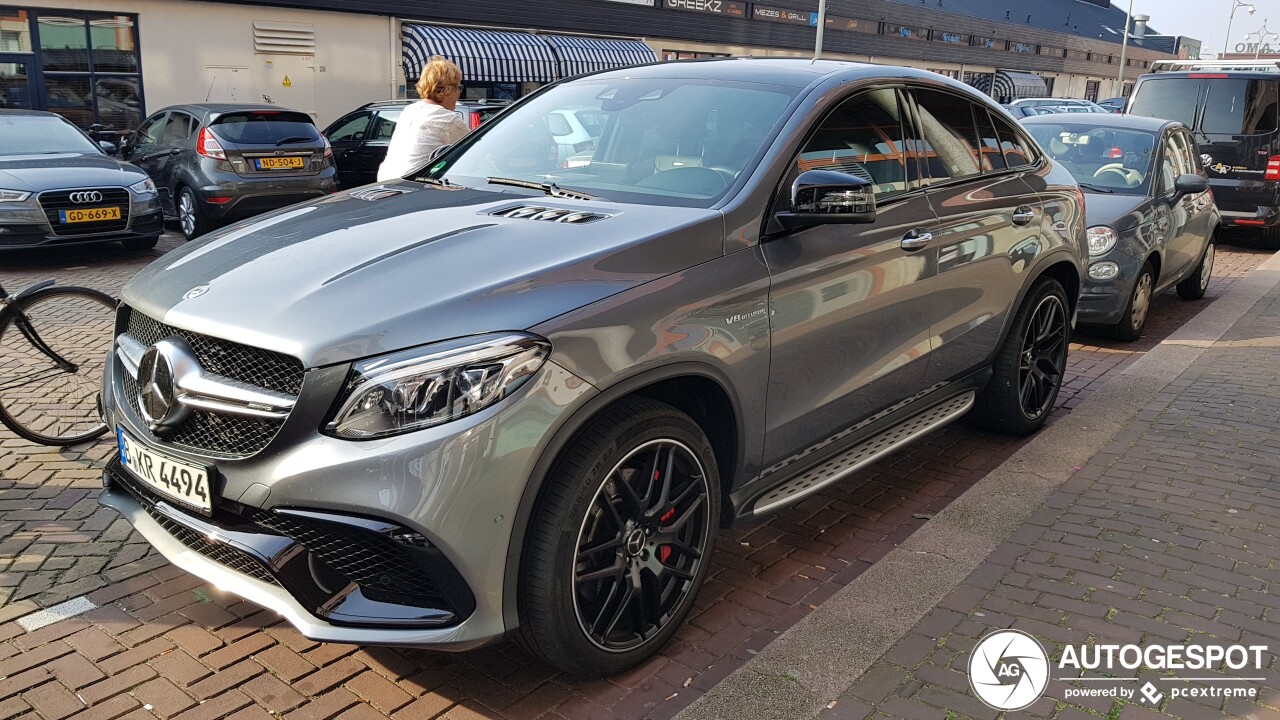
x,y
108,147
827,197
1190,184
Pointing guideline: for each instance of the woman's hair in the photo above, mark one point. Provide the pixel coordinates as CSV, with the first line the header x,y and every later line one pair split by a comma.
x,y
437,75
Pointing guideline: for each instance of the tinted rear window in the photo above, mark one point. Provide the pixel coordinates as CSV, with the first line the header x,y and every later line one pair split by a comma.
x,y
266,128
1168,99
1240,107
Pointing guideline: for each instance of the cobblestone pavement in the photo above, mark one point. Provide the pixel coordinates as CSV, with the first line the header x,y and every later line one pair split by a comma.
x,y
164,644
1168,535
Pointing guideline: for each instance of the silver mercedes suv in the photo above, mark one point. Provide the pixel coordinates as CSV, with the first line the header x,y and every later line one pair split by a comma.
x,y
513,395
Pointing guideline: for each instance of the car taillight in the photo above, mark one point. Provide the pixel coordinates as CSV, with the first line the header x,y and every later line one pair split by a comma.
x,y
207,145
1273,168
328,149
476,121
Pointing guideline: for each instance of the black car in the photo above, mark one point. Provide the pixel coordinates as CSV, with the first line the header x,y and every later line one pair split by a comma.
x,y
59,187
360,137
1233,116
218,162
1151,216
1115,104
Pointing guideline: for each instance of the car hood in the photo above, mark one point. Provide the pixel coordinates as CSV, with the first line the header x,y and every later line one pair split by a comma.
x,y
1120,212
33,173
342,278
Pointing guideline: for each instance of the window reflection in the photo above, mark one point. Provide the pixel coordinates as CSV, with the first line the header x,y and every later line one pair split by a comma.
x,y
15,30
15,92
119,103
63,43
115,46
69,97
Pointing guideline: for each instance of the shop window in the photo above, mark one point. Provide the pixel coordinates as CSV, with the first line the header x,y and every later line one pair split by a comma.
x,y
114,44
64,43
15,31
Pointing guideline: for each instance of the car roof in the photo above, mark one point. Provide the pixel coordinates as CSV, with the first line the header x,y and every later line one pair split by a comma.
x,y
223,108
30,113
1107,120
1054,101
793,72
1214,74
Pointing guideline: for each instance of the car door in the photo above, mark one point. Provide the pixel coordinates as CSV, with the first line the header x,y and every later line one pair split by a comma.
x,y
347,136
1181,244
177,137
374,150
848,304
143,142
988,228
1203,220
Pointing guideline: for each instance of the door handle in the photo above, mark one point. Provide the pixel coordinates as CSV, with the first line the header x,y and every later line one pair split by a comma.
x,y
1023,215
175,151
916,240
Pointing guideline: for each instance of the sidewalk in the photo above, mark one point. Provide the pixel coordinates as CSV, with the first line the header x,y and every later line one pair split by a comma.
x,y
1167,534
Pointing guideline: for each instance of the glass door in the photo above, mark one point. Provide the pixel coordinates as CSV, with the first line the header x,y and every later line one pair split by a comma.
x,y
16,82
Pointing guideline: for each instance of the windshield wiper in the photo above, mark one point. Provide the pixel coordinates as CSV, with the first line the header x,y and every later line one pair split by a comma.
x,y
1095,188
549,188
298,139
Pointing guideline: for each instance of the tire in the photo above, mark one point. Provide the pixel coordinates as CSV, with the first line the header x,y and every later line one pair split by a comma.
x,y
1000,406
143,243
579,608
1137,309
1269,238
191,217
40,400
1194,285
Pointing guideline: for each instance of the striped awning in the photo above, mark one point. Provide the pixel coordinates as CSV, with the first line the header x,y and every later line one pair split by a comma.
x,y
579,55
513,57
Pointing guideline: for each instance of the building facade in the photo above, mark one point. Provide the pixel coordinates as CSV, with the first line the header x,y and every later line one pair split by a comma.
x,y
110,62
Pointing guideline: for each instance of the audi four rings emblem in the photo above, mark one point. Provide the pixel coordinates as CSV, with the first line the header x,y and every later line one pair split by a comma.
x,y
88,196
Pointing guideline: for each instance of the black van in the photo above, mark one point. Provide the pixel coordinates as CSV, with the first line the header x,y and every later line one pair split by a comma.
x,y
1233,116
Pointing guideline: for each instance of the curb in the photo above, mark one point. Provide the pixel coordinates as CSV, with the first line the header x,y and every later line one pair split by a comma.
x,y
820,657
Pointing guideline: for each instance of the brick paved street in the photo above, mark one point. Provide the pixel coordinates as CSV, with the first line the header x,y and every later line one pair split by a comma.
x,y
1168,535
163,644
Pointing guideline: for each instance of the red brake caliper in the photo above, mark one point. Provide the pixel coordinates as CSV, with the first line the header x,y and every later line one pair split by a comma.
x,y
664,551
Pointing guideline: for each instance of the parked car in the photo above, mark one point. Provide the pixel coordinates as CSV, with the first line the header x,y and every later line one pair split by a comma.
x,y
1152,219
1030,107
59,187
218,162
501,396
360,138
1234,116
1114,105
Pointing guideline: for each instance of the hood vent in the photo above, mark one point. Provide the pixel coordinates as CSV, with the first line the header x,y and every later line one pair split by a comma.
x,y
549,214
375,193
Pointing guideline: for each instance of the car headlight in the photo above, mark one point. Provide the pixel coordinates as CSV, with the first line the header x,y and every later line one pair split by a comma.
x,y
144,187
13,196
1101,239
415,389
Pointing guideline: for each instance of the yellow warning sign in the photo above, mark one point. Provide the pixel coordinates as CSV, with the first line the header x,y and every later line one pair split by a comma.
x,y
286,82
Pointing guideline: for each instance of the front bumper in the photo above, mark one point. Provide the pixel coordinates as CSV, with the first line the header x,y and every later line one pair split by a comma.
x,y
1103,302
458,486
32,230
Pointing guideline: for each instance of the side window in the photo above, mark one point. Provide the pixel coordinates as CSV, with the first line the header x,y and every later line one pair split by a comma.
x,y
386,124
1191,150
989,142
178,130
1260,109
1168,170
351,128
863,137
950,137
1017,153
149,133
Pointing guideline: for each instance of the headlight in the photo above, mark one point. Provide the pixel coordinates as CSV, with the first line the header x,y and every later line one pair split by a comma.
x,y
144,187
419,388
13,196
1101,239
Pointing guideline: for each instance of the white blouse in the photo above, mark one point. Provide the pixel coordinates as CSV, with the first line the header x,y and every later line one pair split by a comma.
x,y
421,128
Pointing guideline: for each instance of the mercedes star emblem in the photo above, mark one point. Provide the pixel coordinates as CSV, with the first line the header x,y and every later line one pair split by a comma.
x,y
160,374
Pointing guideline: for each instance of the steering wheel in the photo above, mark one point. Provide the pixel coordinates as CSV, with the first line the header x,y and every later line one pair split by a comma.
x,y
692,180
1119,169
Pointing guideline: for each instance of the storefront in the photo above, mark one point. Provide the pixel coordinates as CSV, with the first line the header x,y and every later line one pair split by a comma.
x,y
85,66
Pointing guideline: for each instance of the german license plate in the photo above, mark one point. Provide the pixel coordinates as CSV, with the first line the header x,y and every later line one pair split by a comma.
x,y
278,163
188,484
97,214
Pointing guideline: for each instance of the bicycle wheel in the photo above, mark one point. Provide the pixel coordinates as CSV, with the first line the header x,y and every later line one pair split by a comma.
x,y
53,347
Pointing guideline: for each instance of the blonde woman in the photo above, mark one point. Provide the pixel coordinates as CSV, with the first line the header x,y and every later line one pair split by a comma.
x,y
427,124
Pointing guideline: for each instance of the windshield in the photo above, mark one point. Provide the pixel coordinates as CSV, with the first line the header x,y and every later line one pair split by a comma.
x,y
266,127
1101,159
651,141
36,135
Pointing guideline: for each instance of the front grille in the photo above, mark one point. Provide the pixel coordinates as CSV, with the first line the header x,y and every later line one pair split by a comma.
x,y
220,553
54,201
375,562
210,433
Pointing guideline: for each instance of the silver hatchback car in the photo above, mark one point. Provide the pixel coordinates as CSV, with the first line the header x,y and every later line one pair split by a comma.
x,y
505,395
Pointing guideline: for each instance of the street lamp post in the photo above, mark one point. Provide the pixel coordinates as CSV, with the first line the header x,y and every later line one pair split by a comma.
x,y
822,25
1235,6
1124,47
1264,35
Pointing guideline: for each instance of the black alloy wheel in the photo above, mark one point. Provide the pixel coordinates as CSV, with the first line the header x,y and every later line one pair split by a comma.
x,y
1044,357
640,545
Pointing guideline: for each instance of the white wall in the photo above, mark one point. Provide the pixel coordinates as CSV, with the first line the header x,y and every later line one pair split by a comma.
x,y
357,57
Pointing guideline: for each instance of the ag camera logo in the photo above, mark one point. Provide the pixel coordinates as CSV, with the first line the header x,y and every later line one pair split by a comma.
x,y
1008,670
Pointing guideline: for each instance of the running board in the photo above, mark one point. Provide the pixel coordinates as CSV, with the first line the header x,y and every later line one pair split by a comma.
x,y
858,457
